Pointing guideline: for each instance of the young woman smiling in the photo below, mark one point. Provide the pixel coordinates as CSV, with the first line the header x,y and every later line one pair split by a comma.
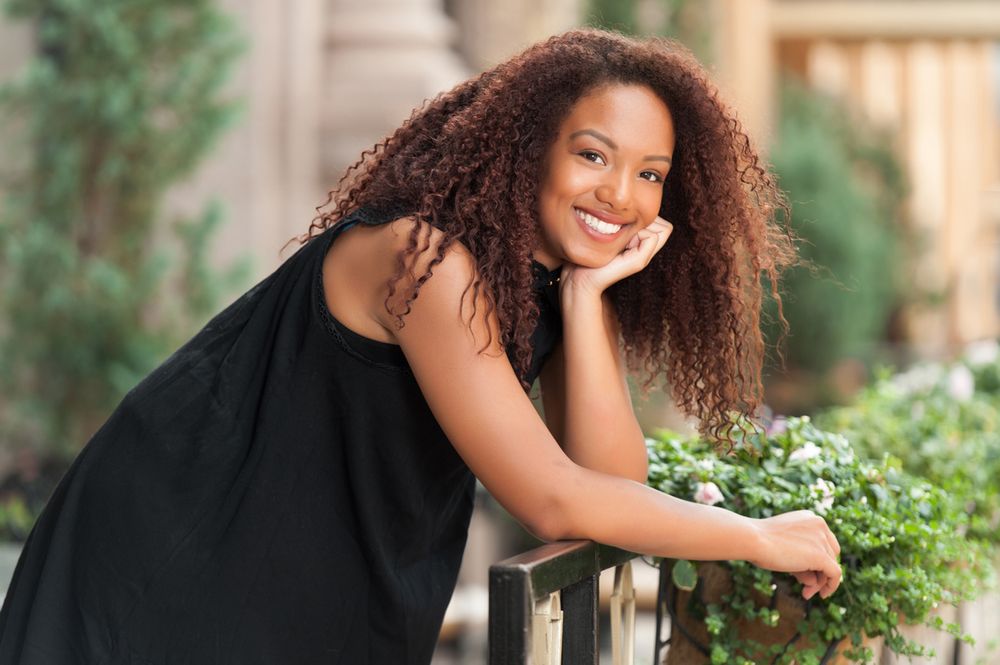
x,y
294,484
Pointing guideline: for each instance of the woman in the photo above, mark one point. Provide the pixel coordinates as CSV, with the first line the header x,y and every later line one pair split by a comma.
x,y
294,484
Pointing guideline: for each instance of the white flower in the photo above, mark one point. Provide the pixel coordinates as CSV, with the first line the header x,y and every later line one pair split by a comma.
x,y
918,379
806,452
961,383
705,465
824,490
708,493
983,352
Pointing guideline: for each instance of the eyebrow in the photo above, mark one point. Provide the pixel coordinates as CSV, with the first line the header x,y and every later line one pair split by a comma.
x,y
614,146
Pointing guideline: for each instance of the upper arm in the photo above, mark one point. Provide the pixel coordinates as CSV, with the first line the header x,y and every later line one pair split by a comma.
x,y
553,387
477,398
553,374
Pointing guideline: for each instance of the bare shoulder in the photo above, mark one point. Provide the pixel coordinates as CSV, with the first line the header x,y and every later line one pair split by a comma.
x,y
361,263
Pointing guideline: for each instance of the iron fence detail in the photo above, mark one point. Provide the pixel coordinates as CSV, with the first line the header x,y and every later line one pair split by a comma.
x,y
544,606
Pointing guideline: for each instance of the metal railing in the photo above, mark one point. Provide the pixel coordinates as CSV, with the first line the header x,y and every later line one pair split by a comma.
x,y
544,606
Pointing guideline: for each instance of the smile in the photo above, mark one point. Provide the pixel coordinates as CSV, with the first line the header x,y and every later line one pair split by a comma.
x,y
600,226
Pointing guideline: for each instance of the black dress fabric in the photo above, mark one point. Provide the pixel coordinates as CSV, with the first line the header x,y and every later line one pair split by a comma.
x,y
277,491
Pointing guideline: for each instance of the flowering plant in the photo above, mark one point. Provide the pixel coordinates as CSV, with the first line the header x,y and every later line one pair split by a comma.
x,y
943,422
903,551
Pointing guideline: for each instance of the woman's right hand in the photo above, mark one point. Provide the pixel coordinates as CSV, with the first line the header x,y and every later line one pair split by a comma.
x,y
802,544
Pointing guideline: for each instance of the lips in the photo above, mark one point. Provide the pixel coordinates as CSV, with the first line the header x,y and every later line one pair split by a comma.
x,y
598,226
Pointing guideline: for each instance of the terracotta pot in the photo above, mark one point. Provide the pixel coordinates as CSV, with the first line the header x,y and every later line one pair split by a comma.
x,y
689,635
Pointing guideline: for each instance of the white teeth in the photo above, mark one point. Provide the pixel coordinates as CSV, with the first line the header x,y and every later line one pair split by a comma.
x,y
597,224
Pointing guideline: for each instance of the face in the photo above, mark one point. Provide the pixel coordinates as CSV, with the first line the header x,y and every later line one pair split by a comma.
x,y
604,177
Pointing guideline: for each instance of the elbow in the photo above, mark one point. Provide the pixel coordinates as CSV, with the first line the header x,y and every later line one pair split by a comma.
x,y
561,514
551,517
549,523
545,532
640,472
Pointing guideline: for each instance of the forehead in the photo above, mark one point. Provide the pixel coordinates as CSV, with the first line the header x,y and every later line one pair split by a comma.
x,y
632,115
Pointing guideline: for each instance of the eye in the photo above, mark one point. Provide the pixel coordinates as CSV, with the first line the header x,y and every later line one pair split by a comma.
x,y
651,176
592,156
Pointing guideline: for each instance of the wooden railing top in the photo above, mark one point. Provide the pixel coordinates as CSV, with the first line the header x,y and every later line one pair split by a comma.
x,y
557,565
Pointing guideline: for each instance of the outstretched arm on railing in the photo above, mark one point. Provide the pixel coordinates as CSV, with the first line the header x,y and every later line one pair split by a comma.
x,y
478,401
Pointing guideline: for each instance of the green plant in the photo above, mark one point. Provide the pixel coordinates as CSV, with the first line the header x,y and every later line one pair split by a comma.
x,y
845,188
903,549
121,101
943,422
684,20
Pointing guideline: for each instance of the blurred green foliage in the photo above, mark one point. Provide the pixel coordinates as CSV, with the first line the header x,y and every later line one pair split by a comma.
x,y
120,102
845,188
613,15
687,21
943,422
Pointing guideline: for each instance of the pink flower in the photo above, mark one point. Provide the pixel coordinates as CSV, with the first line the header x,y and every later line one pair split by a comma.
x,y
777,426
708,493
961,383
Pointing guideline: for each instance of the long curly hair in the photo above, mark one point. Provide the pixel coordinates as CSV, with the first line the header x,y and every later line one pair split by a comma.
x,y
470,163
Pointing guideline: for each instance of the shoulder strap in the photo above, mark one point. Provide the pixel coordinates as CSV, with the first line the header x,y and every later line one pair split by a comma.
x,y
375,214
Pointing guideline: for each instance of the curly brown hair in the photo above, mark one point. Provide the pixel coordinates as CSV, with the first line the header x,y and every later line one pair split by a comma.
x,y
470,163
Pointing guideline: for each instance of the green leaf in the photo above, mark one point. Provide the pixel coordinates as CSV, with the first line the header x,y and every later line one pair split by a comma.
x,y
684,575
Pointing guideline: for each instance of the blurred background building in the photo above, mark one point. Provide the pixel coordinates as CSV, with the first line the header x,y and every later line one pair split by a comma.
x,y
324,79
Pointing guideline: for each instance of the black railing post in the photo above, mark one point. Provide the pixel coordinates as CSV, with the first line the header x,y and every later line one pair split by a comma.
x,y
510,617
516,584
581,637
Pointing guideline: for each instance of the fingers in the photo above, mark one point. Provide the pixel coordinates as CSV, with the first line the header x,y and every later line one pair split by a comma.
x,y
807,578
832,581
824,574
824,581
834,573
810,590
651,239
812,582
832,541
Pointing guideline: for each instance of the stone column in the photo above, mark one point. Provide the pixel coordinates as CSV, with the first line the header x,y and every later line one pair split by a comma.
x,y
493,31
745,62
265,169
383,59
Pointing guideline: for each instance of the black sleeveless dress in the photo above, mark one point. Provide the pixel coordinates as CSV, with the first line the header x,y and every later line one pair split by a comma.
x,y
276,492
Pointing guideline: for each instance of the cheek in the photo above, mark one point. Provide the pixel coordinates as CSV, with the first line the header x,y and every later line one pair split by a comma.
x,y
567,179
651,202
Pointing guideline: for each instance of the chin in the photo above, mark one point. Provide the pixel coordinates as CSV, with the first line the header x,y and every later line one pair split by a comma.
x,y
591,259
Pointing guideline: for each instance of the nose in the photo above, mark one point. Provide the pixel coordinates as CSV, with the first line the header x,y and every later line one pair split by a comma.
x,y
615,191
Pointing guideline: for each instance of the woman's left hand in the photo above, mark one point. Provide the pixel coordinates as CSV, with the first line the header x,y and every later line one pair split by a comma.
x,y
637,254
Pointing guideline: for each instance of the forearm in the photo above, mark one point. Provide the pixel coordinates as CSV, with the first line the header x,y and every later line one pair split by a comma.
x,y
600,429
632,516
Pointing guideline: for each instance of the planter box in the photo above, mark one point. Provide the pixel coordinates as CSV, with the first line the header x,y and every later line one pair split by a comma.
x,y
981,620
689,635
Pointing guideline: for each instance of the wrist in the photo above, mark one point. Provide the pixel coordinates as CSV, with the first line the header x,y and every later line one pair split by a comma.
x,y
573,295
579,280
752,539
